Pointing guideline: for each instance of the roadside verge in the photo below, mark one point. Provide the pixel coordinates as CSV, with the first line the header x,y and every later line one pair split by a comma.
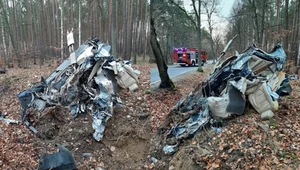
x,y
207,68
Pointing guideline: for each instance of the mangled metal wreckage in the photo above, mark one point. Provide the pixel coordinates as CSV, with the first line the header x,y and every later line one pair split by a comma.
x,y
87,81
253,76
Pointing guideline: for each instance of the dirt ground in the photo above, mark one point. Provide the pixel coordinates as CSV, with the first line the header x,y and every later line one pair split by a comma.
x,y
126,140
134,135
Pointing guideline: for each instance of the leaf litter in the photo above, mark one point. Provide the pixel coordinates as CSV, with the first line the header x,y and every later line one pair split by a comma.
x,y
127,144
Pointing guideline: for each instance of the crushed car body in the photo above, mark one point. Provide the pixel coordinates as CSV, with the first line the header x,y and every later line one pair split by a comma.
x,y
87,81
253,76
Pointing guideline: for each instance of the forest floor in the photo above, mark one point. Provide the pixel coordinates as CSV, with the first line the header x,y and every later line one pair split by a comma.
x,y
127,143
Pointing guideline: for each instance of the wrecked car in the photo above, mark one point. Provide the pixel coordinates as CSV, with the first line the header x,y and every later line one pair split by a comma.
x,y
253,76
87,81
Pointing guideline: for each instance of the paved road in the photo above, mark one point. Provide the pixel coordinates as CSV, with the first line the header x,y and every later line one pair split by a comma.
x,y
173,71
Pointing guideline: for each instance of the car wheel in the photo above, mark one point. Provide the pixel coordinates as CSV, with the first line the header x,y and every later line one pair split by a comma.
x,y
193,64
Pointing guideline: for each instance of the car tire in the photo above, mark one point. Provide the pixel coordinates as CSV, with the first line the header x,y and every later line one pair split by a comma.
x,y
193,64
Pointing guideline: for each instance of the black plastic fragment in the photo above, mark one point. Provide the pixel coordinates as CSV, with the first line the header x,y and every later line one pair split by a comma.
x,y
62,160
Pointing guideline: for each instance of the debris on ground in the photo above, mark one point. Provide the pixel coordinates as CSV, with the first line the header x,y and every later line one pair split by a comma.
x,y
254,77
62,160
3,71
245,142
20,148
7,120
87,81
242,144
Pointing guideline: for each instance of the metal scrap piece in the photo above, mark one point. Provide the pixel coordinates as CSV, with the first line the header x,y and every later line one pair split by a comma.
x,y
253,75
82,82
9,120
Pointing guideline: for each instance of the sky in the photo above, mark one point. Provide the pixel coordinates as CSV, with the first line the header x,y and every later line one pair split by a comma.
x,y
226,6
220,22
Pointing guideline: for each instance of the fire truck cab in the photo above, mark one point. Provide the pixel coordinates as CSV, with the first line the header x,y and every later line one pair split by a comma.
x,y
188,56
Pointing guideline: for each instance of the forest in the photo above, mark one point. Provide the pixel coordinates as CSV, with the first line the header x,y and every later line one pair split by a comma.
x,y
35,31
99,107
266,23
263,23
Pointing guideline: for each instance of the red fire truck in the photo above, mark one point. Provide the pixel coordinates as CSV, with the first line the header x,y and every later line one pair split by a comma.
x,y
188,56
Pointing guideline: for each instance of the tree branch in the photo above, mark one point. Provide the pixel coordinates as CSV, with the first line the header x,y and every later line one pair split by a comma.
x,y
163,8
184,11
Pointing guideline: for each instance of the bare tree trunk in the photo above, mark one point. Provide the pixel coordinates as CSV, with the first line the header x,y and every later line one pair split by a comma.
x,y
145,33
34,30
113,27
211,8
50,29
166,82
6,57
198,15
298,57
298,36
262,29
103,23
278,2
135,30
130,30
119,28
79,23
286,25
43,34
295,28
211,46
125,29
12,39
28,33
17,35
140,30
257,32
62,29
57,25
